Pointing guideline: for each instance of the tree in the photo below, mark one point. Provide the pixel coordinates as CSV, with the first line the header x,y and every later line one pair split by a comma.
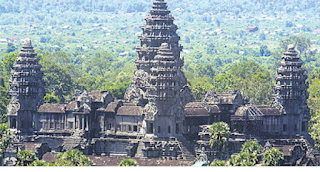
x,y
41,163
10,48
5,139
57,79
199,86
252,147
253,80
63,162
264,51
76,157
51,98
314,105
218,163
128,162
219,134
272,157
248,156
301,43
25,158
262,37
243,159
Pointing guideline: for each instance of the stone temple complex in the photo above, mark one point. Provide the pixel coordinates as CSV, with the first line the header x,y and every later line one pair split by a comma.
x,y
158,118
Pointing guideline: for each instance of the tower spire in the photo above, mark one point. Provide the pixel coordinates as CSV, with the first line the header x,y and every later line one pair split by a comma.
x,y
26,89
159,28
290,92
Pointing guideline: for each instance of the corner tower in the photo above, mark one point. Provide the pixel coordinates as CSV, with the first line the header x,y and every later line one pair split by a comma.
x,y
26,90
290,93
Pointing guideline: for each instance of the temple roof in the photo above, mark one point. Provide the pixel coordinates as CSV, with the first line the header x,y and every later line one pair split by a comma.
x,y
52,108
195,105
200,111
71,106
98,96
130,110
112,107
221,98
50,157
269,111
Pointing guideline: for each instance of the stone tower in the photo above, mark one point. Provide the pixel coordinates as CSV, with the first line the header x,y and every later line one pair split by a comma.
x,y
26,90
159,85
290,93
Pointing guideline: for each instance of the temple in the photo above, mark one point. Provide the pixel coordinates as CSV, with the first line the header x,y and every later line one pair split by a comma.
x,y
158,117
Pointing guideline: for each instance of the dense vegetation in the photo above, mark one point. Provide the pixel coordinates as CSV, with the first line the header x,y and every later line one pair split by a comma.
x,y
68,158
251,154
90,44
128,162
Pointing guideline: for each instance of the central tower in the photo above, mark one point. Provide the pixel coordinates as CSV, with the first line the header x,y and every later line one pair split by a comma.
x,y
159,85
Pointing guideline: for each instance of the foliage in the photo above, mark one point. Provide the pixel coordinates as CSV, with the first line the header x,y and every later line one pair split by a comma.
x,y
243,159
272,157
75,157
301,43
10,48
252,147
218,163
314,105
41,163
128,162
219,135
5,69
249,155
51,98
63,162
57,79
200,86
253,80
25,158
5,139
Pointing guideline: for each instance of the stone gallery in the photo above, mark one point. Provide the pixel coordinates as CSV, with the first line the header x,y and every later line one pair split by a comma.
x,y
158,117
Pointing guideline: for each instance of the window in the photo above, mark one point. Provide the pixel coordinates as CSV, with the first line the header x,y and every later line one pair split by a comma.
x,y
135,128
51,125
303,126
150,128
13,123
123,127
177,128
57,125
70,125
159,129
169,129
130,127
109,126
62,126
284,127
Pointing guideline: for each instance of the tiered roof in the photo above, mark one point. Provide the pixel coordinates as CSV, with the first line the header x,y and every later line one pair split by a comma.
x,y
291,77
26,74
159,29
164,81
290,90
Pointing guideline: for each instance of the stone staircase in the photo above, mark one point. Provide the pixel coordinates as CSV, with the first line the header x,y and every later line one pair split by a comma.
x,y
139,153
187,149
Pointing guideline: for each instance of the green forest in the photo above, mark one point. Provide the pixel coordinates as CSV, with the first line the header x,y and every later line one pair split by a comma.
x,y
90,45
